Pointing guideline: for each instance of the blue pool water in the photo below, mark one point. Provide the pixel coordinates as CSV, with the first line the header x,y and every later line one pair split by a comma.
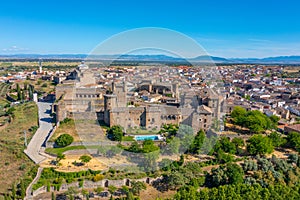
x,y
146,137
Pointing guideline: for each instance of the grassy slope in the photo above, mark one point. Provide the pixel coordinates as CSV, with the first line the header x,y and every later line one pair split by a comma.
x,y
12,145
68,128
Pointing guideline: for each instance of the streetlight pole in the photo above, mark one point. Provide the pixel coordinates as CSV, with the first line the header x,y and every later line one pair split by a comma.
x,y
25,138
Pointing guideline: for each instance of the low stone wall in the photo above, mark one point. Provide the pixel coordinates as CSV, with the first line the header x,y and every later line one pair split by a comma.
x,y
90,184
40,190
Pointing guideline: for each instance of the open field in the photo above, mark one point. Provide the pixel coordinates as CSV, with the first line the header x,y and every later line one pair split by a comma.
x,y
152,193
67,166
81,130
291,69
32,64
13,162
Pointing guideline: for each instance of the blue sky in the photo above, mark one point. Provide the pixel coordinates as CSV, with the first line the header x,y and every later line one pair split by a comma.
x,y
227,28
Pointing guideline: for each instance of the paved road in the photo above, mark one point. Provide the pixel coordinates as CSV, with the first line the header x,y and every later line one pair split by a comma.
x,y
45,126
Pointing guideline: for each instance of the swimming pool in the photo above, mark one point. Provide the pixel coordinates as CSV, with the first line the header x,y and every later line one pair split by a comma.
x,y
147,137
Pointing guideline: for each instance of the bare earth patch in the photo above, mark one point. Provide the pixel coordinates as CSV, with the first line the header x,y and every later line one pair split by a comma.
x,y
67,166
152,193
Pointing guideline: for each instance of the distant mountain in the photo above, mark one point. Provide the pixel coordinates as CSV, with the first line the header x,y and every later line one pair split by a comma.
x,y
268,60
209,58
44,56
157,58
284,59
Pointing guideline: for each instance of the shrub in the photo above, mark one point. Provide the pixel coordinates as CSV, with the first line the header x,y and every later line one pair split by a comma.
x,y
65,121
64,140
22,166
115,133
98,177
80,182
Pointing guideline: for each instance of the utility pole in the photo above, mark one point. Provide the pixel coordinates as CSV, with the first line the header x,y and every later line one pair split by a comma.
x,y
25,138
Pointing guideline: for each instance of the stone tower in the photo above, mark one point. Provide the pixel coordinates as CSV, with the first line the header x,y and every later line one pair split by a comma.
x,y
110,102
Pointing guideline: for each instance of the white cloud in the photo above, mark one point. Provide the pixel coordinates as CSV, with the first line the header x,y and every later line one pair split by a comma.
x,y
14,49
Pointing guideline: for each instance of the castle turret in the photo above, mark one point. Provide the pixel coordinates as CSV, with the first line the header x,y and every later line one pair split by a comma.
x,y
110,102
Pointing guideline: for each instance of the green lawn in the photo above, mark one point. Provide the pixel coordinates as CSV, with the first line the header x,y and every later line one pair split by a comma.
x,y
55,151
139,131
128,138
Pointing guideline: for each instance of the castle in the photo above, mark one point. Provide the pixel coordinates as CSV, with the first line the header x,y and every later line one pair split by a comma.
x,y
115,105
191,110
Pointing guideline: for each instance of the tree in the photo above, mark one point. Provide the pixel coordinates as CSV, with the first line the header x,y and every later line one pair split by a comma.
x,y
22,189
13,191
64,140
112,189
149,146
19,92
198,142
30,91
85,158
165,164
129,196
187,192
60,156
134,147
112,151
71,192
223,157
98,190
84,193
186,135
173,146
259,144
148,161
225,145
23,96
274,119
254,120
115,133
293,140
234,173
216,177
174,180
184,130
238,113
238,142
276,139
137,187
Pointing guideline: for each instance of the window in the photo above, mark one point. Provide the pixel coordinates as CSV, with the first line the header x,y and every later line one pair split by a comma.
x,y
205,120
